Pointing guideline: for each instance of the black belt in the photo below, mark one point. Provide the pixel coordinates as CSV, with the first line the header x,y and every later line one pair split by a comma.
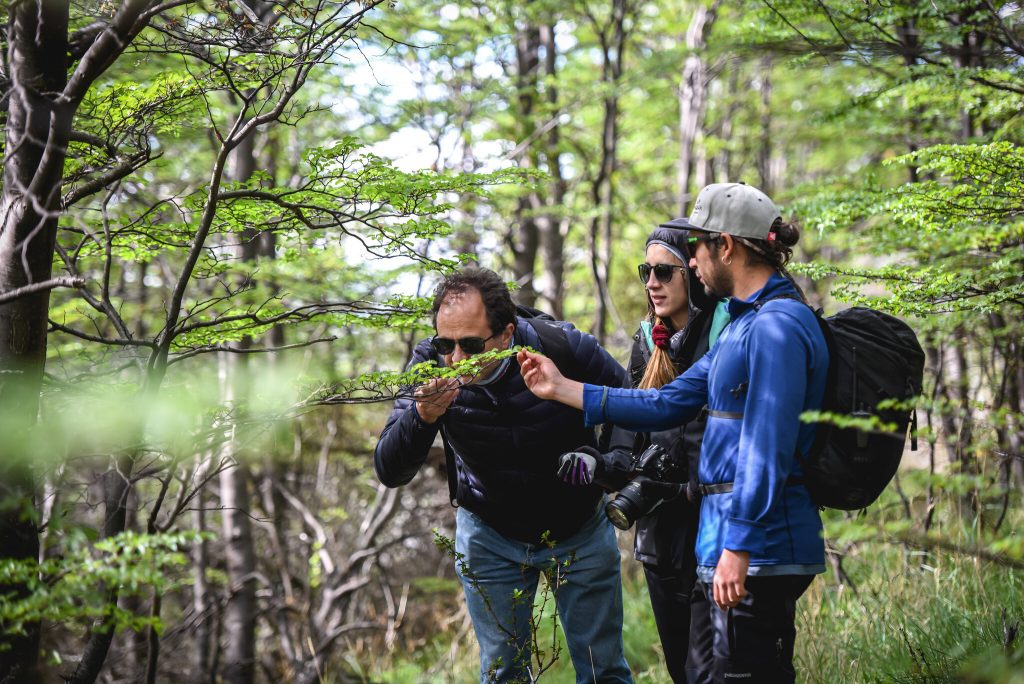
x,y
726,487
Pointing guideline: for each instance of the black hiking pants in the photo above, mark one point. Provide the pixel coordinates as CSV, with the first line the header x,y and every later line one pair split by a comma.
x,y
679,605
752,642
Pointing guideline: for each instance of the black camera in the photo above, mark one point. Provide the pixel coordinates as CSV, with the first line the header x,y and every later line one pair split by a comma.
x,y
656,480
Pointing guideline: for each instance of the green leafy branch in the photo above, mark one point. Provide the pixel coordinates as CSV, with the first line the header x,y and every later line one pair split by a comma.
x,y
389,385
69,587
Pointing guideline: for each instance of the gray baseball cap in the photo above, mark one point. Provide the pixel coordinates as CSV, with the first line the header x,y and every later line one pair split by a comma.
x,y
734,208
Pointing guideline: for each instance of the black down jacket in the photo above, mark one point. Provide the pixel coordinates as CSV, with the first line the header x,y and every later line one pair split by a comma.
x,y
506,443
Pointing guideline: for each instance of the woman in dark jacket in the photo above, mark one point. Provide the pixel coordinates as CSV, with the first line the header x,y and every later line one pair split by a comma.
x,y
681,326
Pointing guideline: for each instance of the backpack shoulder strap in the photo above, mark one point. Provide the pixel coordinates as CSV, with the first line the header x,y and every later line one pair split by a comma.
x,y
450,468
646,336
556,347
719,319
786,295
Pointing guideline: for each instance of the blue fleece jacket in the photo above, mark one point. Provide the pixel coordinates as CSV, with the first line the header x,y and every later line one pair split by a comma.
x,y
767,368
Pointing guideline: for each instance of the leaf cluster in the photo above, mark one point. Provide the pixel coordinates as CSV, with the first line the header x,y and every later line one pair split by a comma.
x,y
73,587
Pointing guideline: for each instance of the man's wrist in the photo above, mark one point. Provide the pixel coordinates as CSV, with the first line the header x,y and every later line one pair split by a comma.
x,y
421,418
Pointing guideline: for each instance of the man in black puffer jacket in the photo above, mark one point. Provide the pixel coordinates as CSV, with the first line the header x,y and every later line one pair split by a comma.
x,y
515,517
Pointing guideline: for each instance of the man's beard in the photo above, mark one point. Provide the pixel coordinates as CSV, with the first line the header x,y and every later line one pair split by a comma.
x,y
718,282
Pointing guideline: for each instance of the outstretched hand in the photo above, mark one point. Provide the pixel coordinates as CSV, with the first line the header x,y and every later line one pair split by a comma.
x,y
540,373
543,379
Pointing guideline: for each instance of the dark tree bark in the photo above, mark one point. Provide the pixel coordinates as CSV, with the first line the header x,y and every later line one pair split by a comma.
x,y
555,225
525,236
38,124
764,151
201,602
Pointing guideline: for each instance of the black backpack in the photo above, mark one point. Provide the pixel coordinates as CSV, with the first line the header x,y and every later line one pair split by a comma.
x,y
872,357
552,337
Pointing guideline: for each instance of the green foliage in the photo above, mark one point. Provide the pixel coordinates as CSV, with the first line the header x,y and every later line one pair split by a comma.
x,y
959,237
383,385
541,647
73,587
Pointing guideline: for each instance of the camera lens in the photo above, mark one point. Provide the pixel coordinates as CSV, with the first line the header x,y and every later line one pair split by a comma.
x,y
617,517
624,509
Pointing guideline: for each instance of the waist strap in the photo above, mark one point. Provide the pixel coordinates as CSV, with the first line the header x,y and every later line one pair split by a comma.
x,y
726,487
729,415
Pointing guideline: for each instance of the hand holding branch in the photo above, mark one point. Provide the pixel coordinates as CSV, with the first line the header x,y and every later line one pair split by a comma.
x,y
433,398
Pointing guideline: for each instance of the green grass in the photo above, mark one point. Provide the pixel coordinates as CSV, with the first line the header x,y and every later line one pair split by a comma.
x,y
940,623
916,616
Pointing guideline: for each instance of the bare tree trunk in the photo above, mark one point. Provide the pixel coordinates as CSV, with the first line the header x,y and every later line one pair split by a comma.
x,y
555,226
613,44
525,236
239,664
936,355
201,604
34,161
764,152
240,610
692,96
116,489
725,170
525,241
467,236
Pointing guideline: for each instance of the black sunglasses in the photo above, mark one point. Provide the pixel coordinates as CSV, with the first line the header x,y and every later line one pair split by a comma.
x,y
663,272
471,345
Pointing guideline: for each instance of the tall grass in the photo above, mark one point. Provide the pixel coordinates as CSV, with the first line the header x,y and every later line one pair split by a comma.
x,y
917,615
906,616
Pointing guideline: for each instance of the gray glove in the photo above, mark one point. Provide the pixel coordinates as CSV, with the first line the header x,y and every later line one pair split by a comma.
x,y
578,467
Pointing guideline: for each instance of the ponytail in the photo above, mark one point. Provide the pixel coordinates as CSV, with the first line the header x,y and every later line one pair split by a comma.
x,y
775,252
660,369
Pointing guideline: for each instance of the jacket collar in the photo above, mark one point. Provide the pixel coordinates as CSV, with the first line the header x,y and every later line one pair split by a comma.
x,y
777,285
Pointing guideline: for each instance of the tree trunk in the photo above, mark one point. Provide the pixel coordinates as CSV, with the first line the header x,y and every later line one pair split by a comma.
x,y
613,44
764,152
725,170
692,96
239,648
525,238
35,137
201,602
555,226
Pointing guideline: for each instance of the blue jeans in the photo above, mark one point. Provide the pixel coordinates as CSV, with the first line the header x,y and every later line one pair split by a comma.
x,y
499,577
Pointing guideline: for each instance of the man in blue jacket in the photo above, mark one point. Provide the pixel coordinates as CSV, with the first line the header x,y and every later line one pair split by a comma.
x,y
759,542
516,517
